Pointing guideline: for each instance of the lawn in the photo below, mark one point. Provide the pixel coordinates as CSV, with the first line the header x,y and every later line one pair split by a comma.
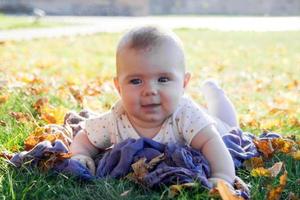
x,y
259,71
19,22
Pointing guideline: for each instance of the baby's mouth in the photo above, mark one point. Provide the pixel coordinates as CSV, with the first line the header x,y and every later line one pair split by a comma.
x,y
151,105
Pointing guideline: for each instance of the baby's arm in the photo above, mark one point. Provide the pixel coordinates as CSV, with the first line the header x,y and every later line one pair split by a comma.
x,y
83,150
209,142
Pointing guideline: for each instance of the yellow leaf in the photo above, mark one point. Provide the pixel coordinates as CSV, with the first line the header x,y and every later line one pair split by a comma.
x,y
296,155
53,115
260,171
177,189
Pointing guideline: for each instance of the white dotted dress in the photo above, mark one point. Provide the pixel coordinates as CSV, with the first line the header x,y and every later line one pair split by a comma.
x,y
181,127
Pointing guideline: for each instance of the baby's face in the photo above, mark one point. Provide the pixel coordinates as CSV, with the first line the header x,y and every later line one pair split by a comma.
x,y
150,83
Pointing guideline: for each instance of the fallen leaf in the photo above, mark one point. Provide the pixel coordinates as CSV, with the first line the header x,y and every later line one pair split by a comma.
x,y
77,94
296,155
20,117
125,193
2,123
275,169
253,163
292,196
226,192
264,146
3,98
175,190
40,103
260,171
275,193
53,115
282,145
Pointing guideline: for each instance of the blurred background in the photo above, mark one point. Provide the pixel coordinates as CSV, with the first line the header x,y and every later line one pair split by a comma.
x,y
153,7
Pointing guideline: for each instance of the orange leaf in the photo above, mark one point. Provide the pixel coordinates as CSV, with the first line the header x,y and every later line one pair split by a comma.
x,y
20,117
226,192
264,146
3,98
77,94
40,103
275,193
282,145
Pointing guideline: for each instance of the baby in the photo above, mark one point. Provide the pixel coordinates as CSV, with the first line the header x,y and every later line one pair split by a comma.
x,y
151,79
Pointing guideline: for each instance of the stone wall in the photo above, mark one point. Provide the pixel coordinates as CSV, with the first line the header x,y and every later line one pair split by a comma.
x,y
154,7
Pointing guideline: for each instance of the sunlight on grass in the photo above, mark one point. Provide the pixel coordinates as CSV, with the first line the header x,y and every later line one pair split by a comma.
x,y
259,71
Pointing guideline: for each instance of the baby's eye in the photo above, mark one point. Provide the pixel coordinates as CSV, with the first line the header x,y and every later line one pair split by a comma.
x,y
163,79
135,81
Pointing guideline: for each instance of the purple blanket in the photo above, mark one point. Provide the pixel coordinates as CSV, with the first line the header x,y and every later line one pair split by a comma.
x,y
180,164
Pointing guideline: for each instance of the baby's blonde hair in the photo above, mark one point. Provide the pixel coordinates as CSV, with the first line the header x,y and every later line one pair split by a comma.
x,y
146,38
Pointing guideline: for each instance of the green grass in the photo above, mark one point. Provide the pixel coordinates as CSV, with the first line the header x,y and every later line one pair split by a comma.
x,y
256,70
12,22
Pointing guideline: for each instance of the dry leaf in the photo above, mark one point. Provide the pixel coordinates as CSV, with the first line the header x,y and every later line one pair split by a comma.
x,y
40,103
140,168
3,98
20,117
264,146
282,145
270,172
275,193
175,190
226,192
275,169
53,115
296,155
260,171
77,94
125,193
2,123
253,163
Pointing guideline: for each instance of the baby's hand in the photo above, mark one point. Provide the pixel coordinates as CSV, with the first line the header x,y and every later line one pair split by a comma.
x,y
86,161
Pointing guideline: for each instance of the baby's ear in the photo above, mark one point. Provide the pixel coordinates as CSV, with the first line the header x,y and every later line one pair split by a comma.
x,y
187,77
117,85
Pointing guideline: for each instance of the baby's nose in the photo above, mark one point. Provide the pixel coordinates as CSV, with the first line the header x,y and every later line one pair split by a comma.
x,y
149,90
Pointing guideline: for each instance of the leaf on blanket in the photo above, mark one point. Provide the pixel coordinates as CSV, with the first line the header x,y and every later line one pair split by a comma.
x,y
275,193
20,117
52,159
254,162
175,190
226,192
270,172
140,169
